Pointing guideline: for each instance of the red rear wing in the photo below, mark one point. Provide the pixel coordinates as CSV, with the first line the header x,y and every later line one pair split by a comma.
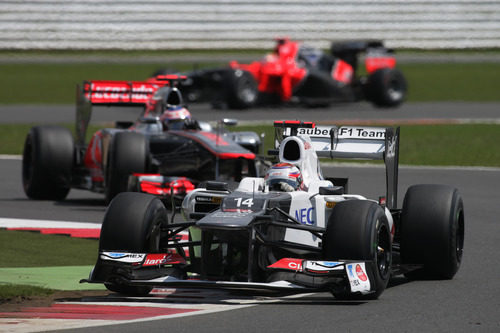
x,y
118,92
121,93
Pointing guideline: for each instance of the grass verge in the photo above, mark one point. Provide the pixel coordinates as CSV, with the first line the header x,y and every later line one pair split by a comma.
x,y
54,83
32,249
12,136
9,291
465,145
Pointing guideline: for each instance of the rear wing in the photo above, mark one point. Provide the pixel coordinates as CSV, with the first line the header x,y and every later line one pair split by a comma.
x,y
115,93
350,142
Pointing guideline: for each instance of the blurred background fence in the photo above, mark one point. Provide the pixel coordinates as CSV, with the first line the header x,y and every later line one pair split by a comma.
x,y
212,24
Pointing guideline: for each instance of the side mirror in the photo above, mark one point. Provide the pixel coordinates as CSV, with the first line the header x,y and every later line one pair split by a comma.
x,y
229,122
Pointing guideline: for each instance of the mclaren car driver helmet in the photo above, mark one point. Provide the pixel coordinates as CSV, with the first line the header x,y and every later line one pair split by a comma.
x,y
283,177
174,117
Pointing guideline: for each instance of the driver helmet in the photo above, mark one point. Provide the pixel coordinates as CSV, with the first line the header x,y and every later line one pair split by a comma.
x,y
283,173
174,117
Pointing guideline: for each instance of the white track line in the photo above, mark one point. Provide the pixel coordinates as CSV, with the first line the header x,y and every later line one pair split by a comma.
x,y
46,224
10,157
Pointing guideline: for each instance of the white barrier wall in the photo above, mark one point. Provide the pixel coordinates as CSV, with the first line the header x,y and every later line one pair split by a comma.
x,y
208,24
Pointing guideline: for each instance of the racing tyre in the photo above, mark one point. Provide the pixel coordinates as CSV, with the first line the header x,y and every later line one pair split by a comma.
x,y
48,162
241,89
128,153
386,87
359,230
432,230
132,223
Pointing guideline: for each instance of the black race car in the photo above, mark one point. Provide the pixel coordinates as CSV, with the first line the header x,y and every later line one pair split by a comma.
x,y
268,234
164,152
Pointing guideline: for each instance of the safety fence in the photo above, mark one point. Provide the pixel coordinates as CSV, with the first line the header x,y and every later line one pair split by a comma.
x,y
212,24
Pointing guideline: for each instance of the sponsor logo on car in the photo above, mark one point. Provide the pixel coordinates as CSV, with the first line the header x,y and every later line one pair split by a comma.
x,y
288,263
323,266
123,257
344,132
156,259
316,132
361,274
361,133
217,200
232,215
305,215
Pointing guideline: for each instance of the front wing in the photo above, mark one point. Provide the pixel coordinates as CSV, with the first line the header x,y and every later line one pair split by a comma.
x,y
288,274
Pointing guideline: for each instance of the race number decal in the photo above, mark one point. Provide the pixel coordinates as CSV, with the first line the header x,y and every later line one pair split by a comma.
x,y
242,204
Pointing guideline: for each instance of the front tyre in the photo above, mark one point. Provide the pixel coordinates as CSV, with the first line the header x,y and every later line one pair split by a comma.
x,y
48,163
132,223
432,230
359,230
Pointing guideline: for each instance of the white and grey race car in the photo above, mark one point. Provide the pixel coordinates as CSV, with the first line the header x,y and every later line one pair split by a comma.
x,y
317,238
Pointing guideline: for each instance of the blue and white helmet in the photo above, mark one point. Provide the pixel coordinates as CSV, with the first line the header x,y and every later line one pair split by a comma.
x,y
283,173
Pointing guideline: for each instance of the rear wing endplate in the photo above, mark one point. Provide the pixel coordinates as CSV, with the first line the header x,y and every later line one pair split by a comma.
x,y
351,142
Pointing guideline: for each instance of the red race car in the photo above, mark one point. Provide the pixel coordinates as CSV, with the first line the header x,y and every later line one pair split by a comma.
x,y
294,72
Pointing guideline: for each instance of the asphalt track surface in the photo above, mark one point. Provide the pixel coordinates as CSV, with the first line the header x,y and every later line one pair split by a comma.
x,y
352,112
469,302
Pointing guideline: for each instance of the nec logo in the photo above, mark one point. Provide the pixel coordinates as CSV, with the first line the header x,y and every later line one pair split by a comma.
x,y
305,215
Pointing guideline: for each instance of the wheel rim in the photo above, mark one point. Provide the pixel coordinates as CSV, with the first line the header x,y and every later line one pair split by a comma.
x,y
383,252
248,94
395,90
246,91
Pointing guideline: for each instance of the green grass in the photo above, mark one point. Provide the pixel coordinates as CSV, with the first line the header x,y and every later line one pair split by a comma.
x,y
471,82
465,145
9,291
12,136
55,83
32,249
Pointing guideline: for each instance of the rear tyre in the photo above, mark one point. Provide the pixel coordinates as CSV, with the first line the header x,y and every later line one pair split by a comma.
x,y
132,223
241,89
48,162
386,87
432,230
359,230
128,154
